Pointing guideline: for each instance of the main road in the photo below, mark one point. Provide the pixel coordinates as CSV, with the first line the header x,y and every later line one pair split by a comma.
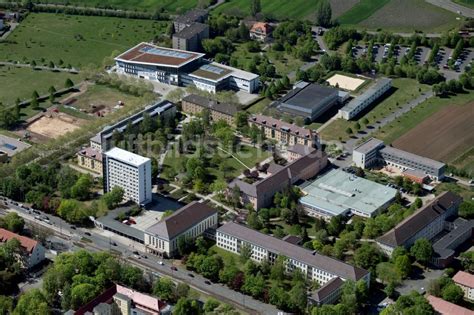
x,y
88,239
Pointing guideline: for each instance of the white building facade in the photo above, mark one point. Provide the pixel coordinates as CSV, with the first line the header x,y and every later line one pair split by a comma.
x,y
129,171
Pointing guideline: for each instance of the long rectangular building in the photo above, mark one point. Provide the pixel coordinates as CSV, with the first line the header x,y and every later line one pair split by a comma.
x,y
183,68
374,150
315,266
361,102
195,104
427,222
283,132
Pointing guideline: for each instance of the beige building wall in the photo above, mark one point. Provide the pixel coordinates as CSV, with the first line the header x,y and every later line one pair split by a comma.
x,y
91,164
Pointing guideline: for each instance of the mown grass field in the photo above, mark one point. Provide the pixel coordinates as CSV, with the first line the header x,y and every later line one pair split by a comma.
x,y
408,15
361,11
76,40
404,90
279,9
21,82
141,5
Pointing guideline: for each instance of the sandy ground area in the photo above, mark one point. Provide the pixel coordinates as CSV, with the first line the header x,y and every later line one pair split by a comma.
x,y
345,82
55,126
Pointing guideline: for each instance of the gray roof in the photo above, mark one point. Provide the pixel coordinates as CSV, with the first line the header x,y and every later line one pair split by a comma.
x,y
412,157
328,288
283,174
367,94
369,145
419,220
309,96
281,125
446,246
191,31
112,224
202,101
181,220
299,149
193,15
280,247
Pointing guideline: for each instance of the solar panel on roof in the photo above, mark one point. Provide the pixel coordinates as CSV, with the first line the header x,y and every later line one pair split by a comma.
x,y
213,69
164,53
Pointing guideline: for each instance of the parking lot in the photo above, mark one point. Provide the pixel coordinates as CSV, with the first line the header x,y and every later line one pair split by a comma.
x,y
12,146
380,52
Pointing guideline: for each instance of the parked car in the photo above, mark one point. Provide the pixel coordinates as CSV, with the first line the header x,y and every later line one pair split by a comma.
x,y
174,268
88,234
161,263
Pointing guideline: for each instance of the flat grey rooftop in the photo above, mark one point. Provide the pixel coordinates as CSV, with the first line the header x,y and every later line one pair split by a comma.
x,y
12,146
368,145
308,96
412,157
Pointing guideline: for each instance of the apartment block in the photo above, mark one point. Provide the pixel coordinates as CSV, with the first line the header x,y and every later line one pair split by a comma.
x,y
322,269
129,171
194,104
284,133
190,221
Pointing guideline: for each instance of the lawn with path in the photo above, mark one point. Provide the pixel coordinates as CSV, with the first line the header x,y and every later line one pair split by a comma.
x,y
75,40
402,92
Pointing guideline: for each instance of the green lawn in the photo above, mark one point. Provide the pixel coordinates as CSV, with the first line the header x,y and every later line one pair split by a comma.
x,y
466,3
246,154
258,107
404,91
175,6
361,11
76,40
410,15
279,9
21,82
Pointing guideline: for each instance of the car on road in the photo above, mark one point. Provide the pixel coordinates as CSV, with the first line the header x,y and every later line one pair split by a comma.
x,y
72,227
136,252
191,275
88,234
174,268
207,282
113,243
161,263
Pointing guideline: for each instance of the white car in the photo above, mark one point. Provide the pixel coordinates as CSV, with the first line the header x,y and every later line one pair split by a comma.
x,y
161,263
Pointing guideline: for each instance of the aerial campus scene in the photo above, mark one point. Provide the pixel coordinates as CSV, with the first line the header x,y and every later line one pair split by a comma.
x,y
237,157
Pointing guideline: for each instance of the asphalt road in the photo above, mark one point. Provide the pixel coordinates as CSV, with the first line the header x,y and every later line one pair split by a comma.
x,y
453,7
95,242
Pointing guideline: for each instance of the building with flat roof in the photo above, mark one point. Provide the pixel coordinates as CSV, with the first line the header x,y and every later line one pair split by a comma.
x,y
213,77
34,250
162,110
361,102
466,281
374,151
427,222
307,100
442,307
338,193
191,221
129,171
190,37
316,267
261,192
183,68
283,132
195,104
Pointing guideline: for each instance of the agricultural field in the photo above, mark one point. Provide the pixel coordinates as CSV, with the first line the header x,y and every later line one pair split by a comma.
x,y
462,155
279,9
173,6
408,15
403,90
21,82
75,40
361,10
339,7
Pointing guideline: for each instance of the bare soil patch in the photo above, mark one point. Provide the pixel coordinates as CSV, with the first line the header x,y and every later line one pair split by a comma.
x,y
443,136
55,125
